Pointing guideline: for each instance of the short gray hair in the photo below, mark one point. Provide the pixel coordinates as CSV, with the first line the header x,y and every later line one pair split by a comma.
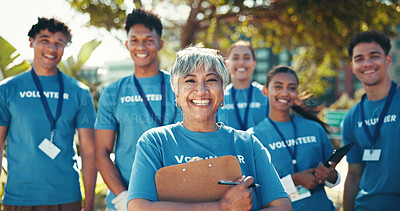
x,y
192,58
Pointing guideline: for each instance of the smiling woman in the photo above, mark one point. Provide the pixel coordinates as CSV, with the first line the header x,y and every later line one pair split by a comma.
x,y
198,78
199,87
298,143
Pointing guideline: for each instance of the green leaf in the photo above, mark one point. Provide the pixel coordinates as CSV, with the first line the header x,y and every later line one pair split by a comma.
x,y
17,69
87,50
7,57
74,68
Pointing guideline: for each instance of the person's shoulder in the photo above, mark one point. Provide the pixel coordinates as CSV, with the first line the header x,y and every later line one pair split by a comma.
x,y
244,135
306,123
119,83
159,133
228,88
261,126
257,86
165,73
74,81
352,111
15,79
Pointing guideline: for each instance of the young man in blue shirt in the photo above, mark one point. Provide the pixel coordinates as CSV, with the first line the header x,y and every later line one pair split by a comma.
x,y
40,110
373,126
132,105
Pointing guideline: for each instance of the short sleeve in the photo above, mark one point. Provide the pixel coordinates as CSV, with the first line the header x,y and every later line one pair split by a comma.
x,y
326,144
105,111
5,116
271,187
355,154
86,115
147,161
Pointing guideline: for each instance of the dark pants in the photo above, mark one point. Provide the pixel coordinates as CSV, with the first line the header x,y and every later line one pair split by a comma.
x,y
74,206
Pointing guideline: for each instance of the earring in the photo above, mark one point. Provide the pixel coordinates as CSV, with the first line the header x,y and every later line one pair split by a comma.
x,y
222,104
177,104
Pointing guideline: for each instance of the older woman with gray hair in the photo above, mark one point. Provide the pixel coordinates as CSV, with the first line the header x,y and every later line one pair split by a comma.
x,y
198,79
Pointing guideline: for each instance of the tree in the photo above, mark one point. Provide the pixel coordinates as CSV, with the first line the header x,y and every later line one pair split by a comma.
x,y
316,29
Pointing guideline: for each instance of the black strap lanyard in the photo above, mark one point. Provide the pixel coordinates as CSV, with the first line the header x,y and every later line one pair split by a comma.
x,y
385,109
46,104
146,102
243,124
294,152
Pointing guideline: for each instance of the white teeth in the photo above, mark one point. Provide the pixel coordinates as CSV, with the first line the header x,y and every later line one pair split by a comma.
x,y
201,102
49,56
141,55
241,69
283,101
369,71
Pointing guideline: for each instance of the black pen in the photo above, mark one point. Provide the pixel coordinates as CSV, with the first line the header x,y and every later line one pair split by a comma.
x,y
228,182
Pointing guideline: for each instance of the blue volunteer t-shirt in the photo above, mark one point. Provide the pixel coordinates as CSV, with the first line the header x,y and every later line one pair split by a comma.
x,y
258,110
313,147
174,144
122,109
380,182
33,177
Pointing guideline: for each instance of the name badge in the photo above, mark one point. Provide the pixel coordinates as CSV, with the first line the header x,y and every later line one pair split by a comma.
x,y
371,154
301,193
49,148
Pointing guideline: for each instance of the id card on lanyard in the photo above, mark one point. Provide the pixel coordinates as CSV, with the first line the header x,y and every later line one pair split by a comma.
x,y
47,146
301,192
372,154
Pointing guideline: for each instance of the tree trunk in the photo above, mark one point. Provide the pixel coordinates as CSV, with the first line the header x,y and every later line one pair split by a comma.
x,y
192,25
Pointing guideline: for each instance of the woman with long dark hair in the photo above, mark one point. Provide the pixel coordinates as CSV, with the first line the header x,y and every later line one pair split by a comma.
x,y
298,143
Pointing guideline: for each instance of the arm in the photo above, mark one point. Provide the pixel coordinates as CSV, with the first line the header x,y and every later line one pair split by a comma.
x,y
89,172
237,197
3,133
351,185
281,204
104,142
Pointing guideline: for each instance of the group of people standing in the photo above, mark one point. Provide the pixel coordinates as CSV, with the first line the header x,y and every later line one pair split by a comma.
x,y
206,107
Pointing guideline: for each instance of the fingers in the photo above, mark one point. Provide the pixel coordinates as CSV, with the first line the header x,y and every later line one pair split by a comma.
x,y
247,181
239,197
322,172
311,170
240,179
332,164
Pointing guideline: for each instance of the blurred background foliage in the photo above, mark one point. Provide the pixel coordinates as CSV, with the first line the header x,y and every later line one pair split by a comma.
x,y
10,62
316,31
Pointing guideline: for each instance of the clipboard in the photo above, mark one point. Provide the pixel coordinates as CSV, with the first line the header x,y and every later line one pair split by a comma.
x,y
339,154
196,181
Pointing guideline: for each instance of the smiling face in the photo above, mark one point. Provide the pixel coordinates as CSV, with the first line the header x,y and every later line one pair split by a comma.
x,y
200,94
48,50
370,64
143,45
241,64
282,93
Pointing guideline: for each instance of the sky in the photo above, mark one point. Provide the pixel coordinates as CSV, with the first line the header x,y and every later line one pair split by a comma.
x,y
18,16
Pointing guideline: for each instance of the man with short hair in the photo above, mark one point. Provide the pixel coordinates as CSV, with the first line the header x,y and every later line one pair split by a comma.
x,y
373,125
40,110
132,105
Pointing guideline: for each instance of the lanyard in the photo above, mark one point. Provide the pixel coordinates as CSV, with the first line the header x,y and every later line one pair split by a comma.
x,y
46,104
385,109
243,124
146,102
292,153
